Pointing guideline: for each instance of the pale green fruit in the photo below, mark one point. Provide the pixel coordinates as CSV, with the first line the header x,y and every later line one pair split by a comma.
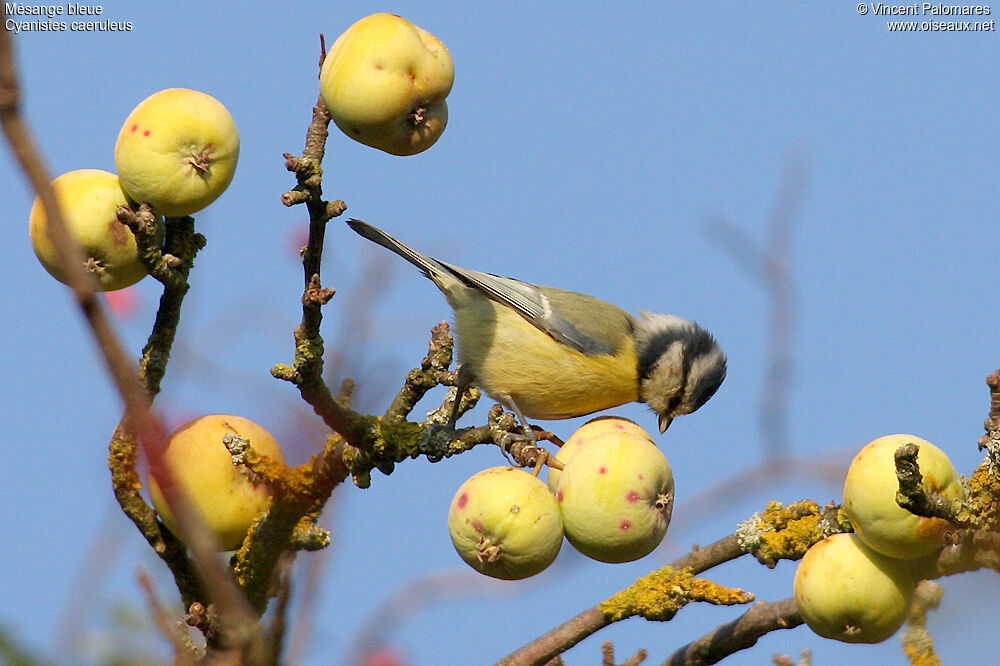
x,y
177,151
616,494
88,199
870,498
505,523
586,433
385,81
219,490
848,592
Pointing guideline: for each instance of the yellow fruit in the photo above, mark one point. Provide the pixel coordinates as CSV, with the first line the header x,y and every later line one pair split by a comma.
x,y
219,490
870,498
586,433
616,495
505,523
177,151
88,199
849,592
385,81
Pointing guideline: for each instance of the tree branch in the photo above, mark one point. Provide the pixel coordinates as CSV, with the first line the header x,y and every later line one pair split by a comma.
x,y
743,632
780,532
139,423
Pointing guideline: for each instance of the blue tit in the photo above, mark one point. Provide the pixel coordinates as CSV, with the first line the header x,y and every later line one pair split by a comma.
x,y
547,353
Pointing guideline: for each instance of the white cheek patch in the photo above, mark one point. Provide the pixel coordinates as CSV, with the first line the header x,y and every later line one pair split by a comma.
x,y
666,381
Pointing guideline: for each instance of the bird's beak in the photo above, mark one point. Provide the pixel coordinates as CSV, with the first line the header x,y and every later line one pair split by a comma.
x,y
665,422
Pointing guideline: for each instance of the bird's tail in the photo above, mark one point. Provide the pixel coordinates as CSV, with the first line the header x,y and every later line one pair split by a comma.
x,y
430,267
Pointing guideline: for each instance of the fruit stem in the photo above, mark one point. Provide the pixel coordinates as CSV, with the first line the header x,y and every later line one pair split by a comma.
x,y
200,161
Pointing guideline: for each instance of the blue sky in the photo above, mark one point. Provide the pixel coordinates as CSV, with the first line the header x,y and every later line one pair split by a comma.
x,y
588,146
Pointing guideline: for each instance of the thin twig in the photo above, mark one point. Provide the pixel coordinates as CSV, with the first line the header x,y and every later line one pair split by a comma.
x,y
68,251
184,651
139,422
772,264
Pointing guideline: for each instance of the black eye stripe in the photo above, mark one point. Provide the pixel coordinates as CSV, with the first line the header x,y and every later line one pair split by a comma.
x,y
672,405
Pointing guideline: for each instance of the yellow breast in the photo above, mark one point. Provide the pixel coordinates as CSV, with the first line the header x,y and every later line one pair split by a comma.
x,y
516,363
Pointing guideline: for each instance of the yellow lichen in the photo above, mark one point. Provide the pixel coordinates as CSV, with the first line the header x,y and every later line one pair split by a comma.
x,y
660,594
787,532
983,497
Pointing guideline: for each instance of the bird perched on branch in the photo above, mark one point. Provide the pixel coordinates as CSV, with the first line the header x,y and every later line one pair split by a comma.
x,y
547,353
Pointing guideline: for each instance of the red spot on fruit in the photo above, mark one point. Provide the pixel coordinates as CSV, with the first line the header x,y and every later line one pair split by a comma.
x,y
134,127
640,476
559,496
146,133
625,526
463,500
478,526
632,496
602,470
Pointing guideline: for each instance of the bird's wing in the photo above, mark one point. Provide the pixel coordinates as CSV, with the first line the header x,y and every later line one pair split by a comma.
x,y
530,302
527,300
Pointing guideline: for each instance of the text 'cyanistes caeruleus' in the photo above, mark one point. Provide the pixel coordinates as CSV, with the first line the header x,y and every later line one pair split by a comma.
x,y
547,353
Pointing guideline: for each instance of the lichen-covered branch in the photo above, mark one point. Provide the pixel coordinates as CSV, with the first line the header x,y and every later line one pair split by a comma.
x,y
786,532
168,252
916,498
917,641
392,438
992,425
975,543
180,242
306,371
780,532
656,596
983,495
298,496
660,594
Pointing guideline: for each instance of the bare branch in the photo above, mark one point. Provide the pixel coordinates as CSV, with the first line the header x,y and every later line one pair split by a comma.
x,y
743,632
